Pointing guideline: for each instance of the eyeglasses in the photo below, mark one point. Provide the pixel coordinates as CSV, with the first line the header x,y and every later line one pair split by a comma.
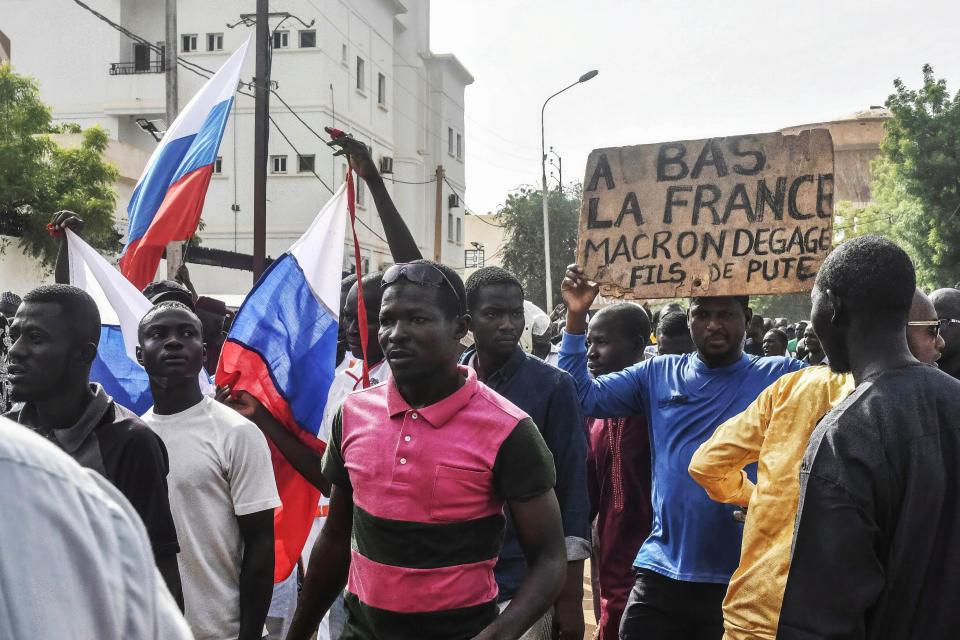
x,y
936,326
423,274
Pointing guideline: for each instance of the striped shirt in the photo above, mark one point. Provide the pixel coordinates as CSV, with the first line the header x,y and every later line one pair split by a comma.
x,y
429,487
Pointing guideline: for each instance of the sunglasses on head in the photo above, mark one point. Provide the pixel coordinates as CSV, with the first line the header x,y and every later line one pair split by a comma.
x,y
936,326
422,274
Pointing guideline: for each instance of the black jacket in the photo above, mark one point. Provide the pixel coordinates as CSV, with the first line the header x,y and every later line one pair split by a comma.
x,y
876,550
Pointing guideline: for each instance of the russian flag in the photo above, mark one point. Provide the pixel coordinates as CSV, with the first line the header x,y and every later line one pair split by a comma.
x,y
121,307
167,201
282,350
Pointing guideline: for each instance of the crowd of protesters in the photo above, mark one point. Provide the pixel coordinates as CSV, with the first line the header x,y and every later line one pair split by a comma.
x,y
723,473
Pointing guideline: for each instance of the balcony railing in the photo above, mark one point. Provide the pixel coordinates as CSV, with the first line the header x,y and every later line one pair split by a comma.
x,y
127,68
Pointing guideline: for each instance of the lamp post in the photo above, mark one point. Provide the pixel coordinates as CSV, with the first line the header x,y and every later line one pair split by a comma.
x,y
543,169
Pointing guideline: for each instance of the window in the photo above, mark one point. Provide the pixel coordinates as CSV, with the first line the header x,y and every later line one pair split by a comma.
x,y
218,165
459,230
360,192
360,74
281,39
450,140
450,227
188,42
141,57
305,164
459,147
308,39
343,173
343,54
214,42
279,164
381,89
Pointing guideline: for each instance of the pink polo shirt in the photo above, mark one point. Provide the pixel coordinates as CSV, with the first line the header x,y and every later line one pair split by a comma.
x,y
429,487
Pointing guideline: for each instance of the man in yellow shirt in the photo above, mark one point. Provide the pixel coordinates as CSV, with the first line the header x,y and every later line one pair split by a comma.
x,y
773,431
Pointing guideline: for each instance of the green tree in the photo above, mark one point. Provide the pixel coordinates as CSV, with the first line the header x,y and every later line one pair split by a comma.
x,y
522,217
917,180
38,177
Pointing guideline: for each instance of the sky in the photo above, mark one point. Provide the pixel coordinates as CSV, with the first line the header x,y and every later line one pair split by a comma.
x,y
671,70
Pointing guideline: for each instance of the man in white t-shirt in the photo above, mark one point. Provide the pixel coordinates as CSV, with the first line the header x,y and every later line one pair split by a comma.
x,y
222,489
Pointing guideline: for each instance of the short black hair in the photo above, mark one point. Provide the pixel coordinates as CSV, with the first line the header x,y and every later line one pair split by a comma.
x,y
631,319
743,301
167,305
872,275
779,335
454,300
76,304
673,324
372,283
487,276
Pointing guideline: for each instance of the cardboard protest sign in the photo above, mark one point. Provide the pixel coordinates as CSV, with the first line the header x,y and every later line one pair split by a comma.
x,y
724,216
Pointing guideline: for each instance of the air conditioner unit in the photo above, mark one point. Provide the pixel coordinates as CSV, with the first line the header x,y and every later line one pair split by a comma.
x,y
386,164
453,200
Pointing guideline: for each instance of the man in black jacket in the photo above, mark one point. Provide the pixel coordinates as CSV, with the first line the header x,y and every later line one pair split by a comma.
x,y
877,541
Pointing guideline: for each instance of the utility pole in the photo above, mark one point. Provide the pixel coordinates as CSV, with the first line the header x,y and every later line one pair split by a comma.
x,y
260,131
174,249
438,221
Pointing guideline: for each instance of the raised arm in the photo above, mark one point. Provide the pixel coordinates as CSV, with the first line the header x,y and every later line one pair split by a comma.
x,y
403,247
614,395
718,464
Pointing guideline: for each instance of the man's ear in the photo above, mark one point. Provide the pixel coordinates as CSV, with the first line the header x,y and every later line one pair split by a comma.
x,y
140,355
836,308
748,315
87,353
463,325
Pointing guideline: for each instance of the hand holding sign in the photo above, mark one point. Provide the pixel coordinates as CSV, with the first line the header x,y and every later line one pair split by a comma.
x,y
578,293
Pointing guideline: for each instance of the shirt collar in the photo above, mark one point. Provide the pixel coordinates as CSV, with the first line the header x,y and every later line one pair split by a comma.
x,y
438,413
504,373
71,438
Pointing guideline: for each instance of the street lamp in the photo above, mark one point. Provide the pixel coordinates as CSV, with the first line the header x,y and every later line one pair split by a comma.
x,y
543,169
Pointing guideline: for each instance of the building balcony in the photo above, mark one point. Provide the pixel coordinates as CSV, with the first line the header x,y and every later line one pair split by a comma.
x,y
129,68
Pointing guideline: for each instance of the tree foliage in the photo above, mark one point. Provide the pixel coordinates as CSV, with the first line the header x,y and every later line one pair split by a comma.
x,y
916,182
38,177
522,217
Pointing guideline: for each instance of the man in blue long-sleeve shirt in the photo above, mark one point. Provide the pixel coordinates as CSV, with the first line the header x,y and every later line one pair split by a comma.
x,y
548,396
685,564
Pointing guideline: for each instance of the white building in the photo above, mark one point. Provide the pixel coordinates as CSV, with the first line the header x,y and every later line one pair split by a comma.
x,y
364,66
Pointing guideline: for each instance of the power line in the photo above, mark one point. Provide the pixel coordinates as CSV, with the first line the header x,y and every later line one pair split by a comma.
x,y
465,207
199,70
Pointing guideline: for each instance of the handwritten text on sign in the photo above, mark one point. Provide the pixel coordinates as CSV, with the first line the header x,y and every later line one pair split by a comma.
x,y
739,215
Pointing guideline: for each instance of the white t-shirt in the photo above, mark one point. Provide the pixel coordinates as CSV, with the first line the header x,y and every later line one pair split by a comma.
x,y
219,469
75,560
345,383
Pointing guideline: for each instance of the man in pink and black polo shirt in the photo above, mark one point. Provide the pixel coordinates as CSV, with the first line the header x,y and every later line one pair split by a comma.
x,y
421,467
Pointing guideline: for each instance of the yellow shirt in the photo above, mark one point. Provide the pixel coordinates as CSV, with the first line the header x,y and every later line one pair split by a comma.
x,y
773,431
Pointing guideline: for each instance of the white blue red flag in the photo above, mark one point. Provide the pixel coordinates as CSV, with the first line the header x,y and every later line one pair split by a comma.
x,y
121,307
282,350
167,201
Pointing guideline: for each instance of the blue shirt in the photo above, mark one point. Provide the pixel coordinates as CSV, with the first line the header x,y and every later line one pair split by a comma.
x,y
549,396
693,538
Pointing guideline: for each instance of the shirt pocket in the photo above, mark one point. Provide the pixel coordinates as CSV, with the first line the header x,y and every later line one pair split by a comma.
x,y
460,494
